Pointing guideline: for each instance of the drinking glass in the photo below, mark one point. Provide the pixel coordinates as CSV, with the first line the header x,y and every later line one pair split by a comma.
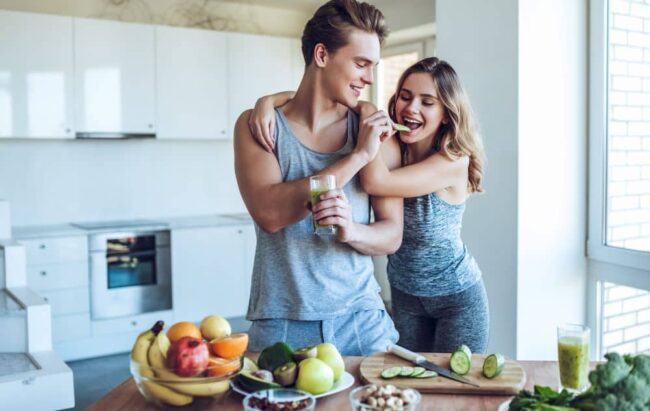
x,y
573,356
318,185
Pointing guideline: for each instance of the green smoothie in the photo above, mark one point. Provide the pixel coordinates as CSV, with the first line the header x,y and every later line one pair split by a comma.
x,y
315,194
573,355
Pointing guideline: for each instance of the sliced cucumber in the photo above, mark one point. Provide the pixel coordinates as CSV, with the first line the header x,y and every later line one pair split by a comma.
x,y
461,360
493,365
417,371
391,372
427,374
406,372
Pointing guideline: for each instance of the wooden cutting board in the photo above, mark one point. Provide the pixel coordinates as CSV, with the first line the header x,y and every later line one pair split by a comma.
x,y
511,380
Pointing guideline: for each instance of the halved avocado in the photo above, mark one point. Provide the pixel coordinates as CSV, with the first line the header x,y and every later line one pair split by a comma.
x,y
249,365
251,383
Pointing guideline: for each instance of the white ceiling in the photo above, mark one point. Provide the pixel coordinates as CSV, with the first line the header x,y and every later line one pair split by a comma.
x,y
306,6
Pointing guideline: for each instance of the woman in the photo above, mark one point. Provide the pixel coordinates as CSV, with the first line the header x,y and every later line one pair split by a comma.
x,y
438,296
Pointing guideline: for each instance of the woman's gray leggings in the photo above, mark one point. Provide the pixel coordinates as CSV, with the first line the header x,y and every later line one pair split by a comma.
x,y
441,324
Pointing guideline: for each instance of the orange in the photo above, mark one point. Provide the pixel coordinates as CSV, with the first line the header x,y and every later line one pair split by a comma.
x,y
183,329
230,347
219,367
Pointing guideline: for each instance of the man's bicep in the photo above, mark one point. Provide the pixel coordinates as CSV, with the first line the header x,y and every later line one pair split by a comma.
x,y
255,168
388,209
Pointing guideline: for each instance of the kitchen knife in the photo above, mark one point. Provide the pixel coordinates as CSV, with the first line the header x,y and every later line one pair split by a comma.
x,y
422,362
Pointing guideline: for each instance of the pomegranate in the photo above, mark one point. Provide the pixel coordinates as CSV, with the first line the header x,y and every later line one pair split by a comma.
x,y
188,357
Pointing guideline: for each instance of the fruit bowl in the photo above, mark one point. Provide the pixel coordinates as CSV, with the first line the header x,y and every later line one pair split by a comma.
x,y
163,387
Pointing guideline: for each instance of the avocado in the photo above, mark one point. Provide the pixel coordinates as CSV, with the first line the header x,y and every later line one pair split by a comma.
x,y
250,382
275,356
249,365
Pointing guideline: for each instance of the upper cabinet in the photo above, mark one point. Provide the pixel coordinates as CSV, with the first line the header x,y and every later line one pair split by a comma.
x,y
114,77
191,82
260,65
36,71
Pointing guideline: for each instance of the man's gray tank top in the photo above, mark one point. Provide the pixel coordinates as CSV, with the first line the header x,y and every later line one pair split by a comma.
x,y
432,260
302,276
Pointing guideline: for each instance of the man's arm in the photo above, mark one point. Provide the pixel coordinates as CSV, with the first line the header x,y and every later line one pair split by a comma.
x,y
275,204
384,236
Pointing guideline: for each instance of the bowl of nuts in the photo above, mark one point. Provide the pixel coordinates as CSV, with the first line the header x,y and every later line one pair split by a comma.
x,y
384,397
276,399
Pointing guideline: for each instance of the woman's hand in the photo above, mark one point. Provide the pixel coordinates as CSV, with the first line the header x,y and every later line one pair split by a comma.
x,y
334,209
373,130
262,122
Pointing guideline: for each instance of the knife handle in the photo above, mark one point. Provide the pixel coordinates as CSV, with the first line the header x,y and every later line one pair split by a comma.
x,y
404,353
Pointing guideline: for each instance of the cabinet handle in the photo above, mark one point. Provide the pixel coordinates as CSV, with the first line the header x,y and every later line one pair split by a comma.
x,y
134,323
150,125
46,300
240,231
67,130
43,273
42,246
223,131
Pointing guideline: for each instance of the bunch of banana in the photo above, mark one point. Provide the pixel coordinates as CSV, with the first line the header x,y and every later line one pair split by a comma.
x,y
156,356
139,354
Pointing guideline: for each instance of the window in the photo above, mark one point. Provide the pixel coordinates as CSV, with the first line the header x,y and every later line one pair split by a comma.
x,y
619,175
393,62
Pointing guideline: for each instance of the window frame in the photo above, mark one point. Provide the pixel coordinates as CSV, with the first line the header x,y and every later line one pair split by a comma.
x,y
597,249
417,46
621,266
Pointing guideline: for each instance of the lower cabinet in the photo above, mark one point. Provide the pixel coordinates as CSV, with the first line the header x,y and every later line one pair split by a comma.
x,y
211,269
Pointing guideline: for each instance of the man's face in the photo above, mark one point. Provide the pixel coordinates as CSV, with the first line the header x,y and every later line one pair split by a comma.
x,y
350,68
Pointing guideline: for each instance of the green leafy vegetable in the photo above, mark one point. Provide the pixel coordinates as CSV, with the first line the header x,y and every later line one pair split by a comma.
x,y
622,383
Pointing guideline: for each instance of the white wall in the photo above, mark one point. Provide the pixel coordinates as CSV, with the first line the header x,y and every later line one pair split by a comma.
x,y
523,63
479,39
552,172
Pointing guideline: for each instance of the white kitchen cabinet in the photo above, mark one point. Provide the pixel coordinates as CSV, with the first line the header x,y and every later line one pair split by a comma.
x,y
211,268
114,77
36,76
260,65
191,83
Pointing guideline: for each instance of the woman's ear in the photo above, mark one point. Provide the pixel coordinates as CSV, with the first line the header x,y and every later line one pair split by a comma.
x,y
320,55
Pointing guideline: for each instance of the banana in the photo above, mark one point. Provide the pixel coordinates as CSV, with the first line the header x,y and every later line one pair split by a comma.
x,y
156,359
166,395
141,347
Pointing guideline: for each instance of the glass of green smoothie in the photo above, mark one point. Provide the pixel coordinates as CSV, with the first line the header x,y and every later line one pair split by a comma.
x,y
573,356
318,185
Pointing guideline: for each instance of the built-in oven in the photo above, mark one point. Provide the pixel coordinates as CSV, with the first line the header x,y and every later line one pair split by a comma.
x,y
130,273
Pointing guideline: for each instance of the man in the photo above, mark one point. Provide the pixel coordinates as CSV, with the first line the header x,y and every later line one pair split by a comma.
x,y
307,289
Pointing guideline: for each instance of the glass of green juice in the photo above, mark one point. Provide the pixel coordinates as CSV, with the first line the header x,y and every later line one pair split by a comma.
x,y
573,356
318,185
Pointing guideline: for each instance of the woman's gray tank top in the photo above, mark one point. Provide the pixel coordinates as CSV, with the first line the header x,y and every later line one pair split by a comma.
x,y
432,260
302,276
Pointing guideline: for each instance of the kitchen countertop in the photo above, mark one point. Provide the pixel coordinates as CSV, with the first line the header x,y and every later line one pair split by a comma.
x,y
126,396
172,223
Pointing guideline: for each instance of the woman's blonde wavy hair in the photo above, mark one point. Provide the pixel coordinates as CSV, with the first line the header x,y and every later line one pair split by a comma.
x,y
458,137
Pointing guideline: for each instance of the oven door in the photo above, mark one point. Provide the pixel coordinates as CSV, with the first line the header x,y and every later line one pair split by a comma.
x,y
130,273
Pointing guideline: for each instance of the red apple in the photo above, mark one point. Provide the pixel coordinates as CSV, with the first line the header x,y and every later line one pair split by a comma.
x,y
188,356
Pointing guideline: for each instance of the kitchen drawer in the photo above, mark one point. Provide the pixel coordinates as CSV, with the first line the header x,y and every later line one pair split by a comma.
x,y
139,323
56,250
70,327
42,277
68,301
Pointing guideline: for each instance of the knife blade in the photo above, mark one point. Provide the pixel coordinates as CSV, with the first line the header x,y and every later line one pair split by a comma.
x,y
422,362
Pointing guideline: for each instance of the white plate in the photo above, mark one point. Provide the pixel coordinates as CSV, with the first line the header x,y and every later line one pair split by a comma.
x,y
343,383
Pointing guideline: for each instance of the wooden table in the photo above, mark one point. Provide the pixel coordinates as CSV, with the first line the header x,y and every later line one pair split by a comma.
x,y
126,395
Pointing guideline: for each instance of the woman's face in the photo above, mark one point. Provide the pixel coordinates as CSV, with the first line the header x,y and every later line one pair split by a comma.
x,y
350,68
417,107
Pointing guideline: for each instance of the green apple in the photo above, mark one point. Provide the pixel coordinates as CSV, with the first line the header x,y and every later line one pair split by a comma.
x,y
330,355
314,376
